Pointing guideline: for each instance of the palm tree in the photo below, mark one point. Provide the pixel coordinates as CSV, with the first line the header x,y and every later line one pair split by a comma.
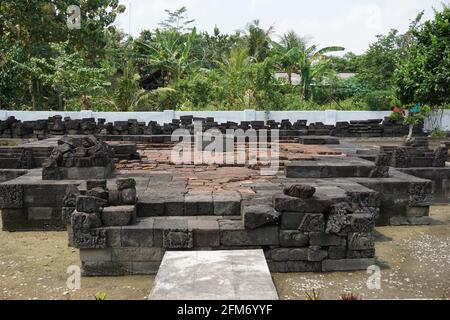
x,y
169,52
296,56
258,41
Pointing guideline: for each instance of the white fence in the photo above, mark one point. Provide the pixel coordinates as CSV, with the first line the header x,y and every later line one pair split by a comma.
x,y
329,117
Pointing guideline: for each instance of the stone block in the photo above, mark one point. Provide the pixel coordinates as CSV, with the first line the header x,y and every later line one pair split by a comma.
x,y
95,255
127,183
279,255
303,266
178,239
106,268
11,196
117,216
206,233
145,267
316,254
417,211
227,203
259,216
137,236
326,240
88,204
98,193
291,220
347,264
137,254
128,196
294,239
113,237
362,254
337,253
150,207
299,191
41,213
233,233
174,205
361,241
283,203
92,184
298,254
312,222
198,204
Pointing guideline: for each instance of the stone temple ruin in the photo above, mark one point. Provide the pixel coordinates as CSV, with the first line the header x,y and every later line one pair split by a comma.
x,y
124,203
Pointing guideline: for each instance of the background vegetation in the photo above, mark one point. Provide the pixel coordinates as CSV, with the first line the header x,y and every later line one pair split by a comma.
x,y
46,66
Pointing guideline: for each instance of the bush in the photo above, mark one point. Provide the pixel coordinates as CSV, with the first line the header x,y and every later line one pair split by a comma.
x,y
380,100
161,99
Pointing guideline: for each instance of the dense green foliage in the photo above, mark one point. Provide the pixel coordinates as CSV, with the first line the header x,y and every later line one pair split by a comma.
x,y
46,65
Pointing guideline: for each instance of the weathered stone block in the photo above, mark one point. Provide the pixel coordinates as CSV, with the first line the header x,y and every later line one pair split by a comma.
x,y
298,254
11,196
259,216
418,211
283,203
361,241
326,240
117,216
136,236
127,183
279,255
312,222
337,253
178,239
299,191
40,213
92,184
227,203
316,254
137,254
95,255
88,204
198,204
233,233
294,239
128,196
206,233
303,266
98,193
291,220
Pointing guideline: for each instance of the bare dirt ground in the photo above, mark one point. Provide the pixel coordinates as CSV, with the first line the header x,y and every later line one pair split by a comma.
x,y
415,263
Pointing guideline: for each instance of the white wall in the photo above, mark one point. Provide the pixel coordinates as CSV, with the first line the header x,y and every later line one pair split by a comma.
x,y
327,117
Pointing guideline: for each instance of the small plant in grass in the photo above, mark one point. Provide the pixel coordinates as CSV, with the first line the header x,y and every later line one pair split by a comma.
x,y
101,296
350,296
313,296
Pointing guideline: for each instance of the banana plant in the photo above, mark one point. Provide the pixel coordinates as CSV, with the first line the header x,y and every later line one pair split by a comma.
x,y
169,52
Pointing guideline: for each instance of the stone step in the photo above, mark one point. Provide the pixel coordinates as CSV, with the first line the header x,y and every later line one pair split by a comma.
x,y
169,203
214,275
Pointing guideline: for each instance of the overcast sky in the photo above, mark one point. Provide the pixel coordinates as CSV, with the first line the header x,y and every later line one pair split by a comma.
x,y
349,23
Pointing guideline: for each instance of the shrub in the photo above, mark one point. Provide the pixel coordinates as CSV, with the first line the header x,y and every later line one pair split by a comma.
x,y
379,100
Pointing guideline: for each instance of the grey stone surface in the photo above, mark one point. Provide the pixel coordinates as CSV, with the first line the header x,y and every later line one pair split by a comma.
x,y
117,216
296,239
326,240
214,275
227,203
233,233
312,222
283,203
260,215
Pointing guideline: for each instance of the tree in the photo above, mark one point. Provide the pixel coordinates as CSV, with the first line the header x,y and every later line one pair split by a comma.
x,y
177,21
296,55
257,41
424,76
29,28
